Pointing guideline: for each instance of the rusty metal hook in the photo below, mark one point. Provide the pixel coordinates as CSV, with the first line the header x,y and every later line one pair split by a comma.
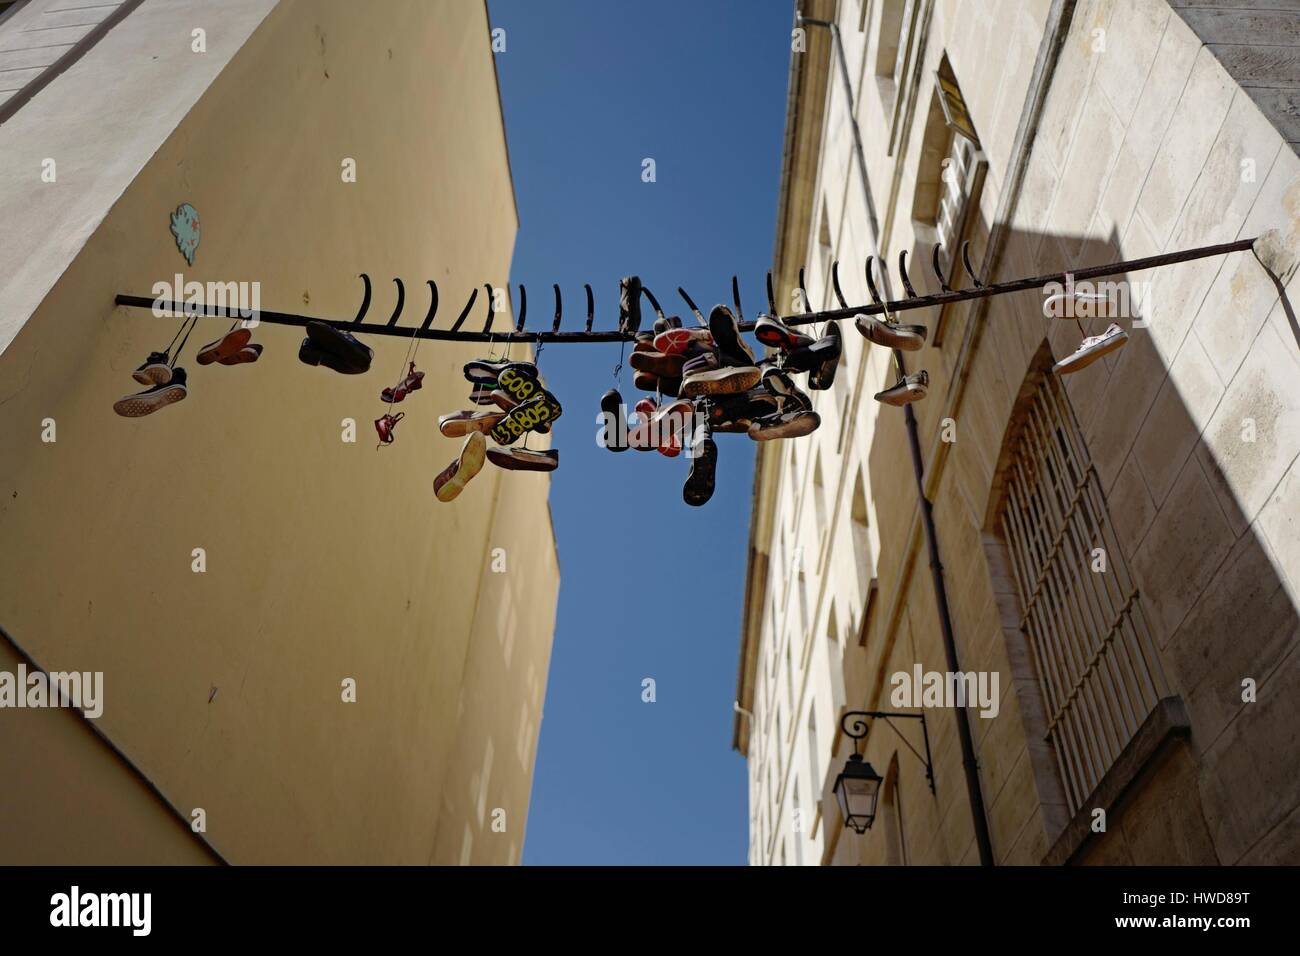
x,y
464,313
654,303
937,267
871,282
365,301
970,270
835,284
771,301
487,326
433,305
559,308
591,306
902,274
401,302
523,306
735,297
699,317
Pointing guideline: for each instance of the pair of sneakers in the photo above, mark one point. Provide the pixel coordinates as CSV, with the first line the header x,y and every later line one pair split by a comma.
x,y
907,338
233,348
793,416
504,384
334,349
797,352
721,365
165,386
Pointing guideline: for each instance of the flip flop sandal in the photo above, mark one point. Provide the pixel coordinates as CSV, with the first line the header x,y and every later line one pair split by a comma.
x,y
771,331
226,346
523,459
614,414
453,479
460,424
149,401
249,353
154,370
700,479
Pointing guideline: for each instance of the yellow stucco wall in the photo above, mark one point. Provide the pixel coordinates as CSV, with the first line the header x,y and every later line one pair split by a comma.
x,y
325,560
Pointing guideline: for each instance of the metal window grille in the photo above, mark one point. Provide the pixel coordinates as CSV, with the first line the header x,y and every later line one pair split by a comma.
x,y
1097,666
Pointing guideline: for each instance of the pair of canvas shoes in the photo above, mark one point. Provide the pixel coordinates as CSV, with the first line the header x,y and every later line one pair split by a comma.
x,y
797,352
165,386
334,349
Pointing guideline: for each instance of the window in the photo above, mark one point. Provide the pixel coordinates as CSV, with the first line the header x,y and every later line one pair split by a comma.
x,y
889,50
1092,651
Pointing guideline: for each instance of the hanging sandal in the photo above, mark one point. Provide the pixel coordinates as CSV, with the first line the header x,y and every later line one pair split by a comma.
x,y
385,426
414,380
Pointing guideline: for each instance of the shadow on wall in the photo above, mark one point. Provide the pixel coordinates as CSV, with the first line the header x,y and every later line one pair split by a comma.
x,y
1165,453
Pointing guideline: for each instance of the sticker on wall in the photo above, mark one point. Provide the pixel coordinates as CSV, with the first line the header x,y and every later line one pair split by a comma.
x,y
185,227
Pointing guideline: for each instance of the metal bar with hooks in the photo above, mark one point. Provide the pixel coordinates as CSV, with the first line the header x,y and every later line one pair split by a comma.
x,y
590,336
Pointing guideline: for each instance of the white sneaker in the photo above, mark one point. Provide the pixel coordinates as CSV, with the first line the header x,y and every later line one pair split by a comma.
x,y
1091,349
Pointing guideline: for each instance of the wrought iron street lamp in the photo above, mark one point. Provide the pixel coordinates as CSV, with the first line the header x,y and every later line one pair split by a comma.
x,y
857,788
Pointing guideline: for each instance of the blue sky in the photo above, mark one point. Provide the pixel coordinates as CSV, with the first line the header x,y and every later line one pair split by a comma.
x,y
649,586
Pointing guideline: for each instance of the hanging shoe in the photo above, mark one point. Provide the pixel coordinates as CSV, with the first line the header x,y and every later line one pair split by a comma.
x,y
629,304
482,393
910,389
249,353
614,416
150,400
822,377
909,338
772,332
789,424
1091,349
154,370
726,335
669,423
675,341
524,459
525,417
452,480
335,349
664,324
715,373
658,363
226,346
638,435
504,400
735,413
414,380
648,382
385,425
460,424
484,370
700,479
816,357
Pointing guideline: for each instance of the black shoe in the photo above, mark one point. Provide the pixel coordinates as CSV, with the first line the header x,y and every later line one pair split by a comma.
x,y
614,413
484,371
152,399
823,358
671,322
726,335
629,304
789,396
704,464
773,332
334,348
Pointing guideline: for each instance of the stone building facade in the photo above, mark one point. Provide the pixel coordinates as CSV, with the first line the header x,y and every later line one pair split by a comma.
x,y
1118,546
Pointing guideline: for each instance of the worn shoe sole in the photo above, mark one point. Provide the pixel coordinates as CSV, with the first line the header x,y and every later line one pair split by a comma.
x,y
614,436
676,341
793,426
155,374
226,346
522,459
137,406
657,363
901,395
778,336
908,338
1082,359
460,424
249,353
457,475
701,478
721,381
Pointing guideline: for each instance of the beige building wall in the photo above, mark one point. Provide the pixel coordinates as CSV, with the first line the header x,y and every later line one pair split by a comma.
x,y
1144,144
325,560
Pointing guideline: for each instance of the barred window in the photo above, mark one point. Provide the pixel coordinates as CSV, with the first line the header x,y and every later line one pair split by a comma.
x,y
1097,666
